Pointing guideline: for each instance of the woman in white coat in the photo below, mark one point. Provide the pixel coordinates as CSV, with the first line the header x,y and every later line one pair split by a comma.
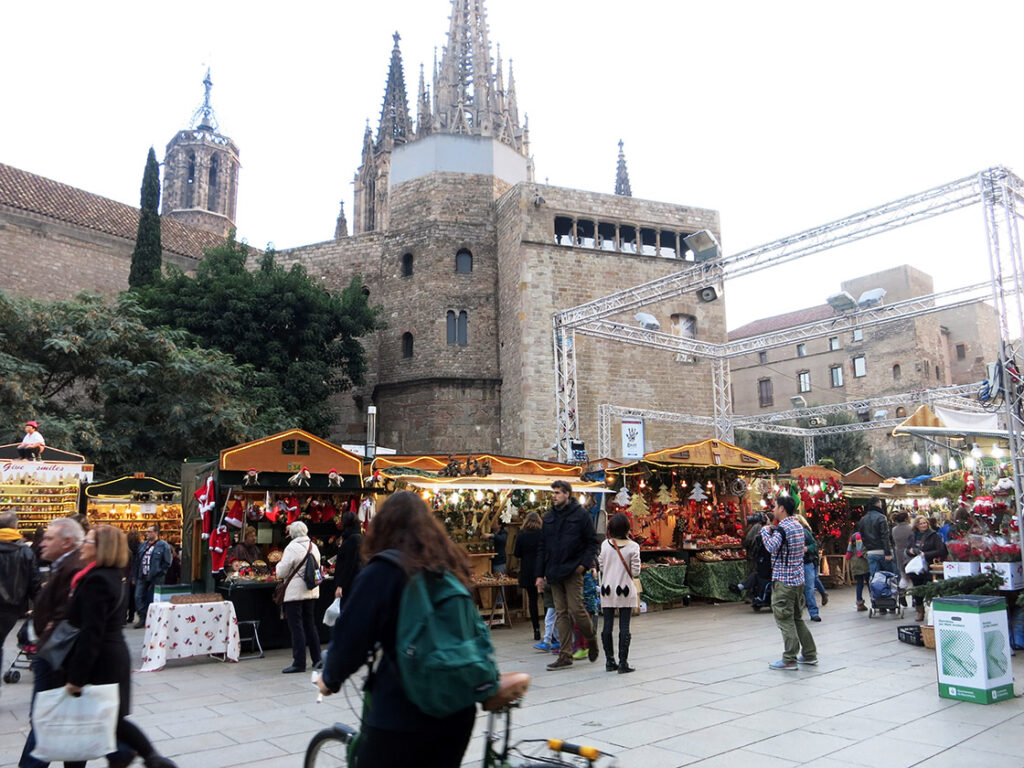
x,y
620,564
299,601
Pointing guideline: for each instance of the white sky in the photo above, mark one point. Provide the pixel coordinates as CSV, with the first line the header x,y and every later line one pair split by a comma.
x,y
780,115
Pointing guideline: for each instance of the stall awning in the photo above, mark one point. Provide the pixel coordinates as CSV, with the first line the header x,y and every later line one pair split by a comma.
x,y
497,483
506,465
947,422
287,452
124,487
710,453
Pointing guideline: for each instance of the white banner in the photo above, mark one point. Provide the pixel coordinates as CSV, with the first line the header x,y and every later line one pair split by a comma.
x,y
43,472
632,438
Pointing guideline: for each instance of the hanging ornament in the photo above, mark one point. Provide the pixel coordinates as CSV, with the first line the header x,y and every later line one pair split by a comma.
x,y
622,497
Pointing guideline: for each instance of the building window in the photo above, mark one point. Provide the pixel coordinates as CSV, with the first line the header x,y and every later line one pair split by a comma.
x,y
684,326
764,393
836,374
858,335
458,328
833,343
801,350
407,265
463,262
586,234
803,381
901,412
897,372
295,447
961,351
463,329
563,230
762,358
213,199
406,345
451,327
860,366
937,374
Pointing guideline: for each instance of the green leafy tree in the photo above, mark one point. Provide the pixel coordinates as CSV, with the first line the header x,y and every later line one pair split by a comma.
x,y
300,341
146,257
847,451
104,384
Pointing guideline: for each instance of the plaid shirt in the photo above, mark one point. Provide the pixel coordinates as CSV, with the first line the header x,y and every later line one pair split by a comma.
x,y
787,554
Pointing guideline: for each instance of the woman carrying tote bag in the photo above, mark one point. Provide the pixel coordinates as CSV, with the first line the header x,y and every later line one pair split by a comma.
x,y
100,654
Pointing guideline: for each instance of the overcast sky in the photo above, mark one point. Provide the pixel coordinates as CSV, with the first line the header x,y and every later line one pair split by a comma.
x,y
780,115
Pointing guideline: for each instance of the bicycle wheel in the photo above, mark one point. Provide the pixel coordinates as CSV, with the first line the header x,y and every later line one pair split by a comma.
x,y
329,748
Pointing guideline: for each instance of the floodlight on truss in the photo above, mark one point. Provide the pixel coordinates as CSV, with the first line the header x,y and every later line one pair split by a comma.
x,y
871,298
842,302
704,245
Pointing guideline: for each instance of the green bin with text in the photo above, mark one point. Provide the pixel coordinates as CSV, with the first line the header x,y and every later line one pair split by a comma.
x,y
972,648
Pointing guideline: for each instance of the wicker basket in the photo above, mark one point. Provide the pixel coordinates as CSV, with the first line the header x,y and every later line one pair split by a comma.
x,y
206,597
928,635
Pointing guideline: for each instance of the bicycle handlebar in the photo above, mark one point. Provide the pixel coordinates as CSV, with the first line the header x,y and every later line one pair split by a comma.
x,y
590,753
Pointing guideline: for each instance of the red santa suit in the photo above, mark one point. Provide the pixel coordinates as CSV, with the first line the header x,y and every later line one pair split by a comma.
x,y
220,543
292,508
206,501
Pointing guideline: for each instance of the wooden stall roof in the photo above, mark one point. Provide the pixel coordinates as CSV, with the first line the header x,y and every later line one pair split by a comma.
x,y
50,455
711,453
123,487
266,455
863,475
500,465
817,472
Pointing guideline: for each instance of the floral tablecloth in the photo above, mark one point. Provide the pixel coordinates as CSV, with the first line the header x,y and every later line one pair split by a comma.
x,y
196,629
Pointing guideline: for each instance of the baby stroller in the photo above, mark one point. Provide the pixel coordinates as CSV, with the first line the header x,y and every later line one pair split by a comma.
x,y
885,594
761,594
26,650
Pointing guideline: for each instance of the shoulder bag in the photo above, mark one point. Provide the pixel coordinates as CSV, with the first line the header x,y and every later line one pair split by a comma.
x,y
281,588
629,574
57,647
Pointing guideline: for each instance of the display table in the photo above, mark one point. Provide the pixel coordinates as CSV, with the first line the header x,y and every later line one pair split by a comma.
x,y
192,629
495,611
663,584
252,601
712,580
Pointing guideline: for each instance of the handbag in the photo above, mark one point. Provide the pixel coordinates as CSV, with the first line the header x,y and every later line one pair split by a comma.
x,y
637,586
312,574
916,564
57,647
75,727
280,589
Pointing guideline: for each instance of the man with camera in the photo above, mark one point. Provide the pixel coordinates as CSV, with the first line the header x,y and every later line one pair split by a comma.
x,y
784,539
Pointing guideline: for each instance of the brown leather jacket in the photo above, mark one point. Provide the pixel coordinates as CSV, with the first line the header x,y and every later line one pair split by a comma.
x,y
51,604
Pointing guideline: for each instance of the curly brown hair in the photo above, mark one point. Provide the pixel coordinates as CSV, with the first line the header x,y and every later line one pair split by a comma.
x,y
404,523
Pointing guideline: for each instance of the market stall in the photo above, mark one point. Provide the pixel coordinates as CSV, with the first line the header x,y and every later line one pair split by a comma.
x,y
268,484
41,491
688,506
134,502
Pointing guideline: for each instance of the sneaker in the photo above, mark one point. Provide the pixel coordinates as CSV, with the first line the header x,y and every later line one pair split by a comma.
x,y
787,666
812,662
815,618
861,606
736,589
581,654
564,663
543,645
824,599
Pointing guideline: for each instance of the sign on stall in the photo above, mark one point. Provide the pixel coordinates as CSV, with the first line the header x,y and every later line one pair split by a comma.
x,y
632,438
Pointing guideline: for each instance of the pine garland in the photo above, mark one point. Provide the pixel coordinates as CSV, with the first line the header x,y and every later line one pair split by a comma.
x,y
982,584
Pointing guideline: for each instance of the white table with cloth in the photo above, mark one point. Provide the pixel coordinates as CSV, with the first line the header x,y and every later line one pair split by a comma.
x,y
190,629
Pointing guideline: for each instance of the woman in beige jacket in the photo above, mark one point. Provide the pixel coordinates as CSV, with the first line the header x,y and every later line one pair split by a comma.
x,y
620,564
299,601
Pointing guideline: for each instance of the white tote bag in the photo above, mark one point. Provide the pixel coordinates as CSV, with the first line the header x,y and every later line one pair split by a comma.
x,y
916,564
75,727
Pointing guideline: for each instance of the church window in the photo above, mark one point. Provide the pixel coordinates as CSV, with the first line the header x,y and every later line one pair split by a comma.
x,y
213,202
406,345
649,242
627,238
463,329
457,328
463,262
190,179
563,230
606,236
585,234
450,323
407,265
667,245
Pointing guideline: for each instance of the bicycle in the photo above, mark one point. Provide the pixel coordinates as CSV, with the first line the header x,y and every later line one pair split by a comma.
x,y
335,746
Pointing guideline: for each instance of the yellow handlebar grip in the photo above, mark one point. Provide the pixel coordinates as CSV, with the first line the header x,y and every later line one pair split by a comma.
x,y
590,753
555,745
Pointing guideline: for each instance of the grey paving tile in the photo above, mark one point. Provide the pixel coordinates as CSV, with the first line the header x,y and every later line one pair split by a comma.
x,y
801,747
655,756
888,750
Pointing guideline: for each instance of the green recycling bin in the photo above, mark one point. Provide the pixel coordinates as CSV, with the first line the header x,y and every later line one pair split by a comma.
x,y
972,648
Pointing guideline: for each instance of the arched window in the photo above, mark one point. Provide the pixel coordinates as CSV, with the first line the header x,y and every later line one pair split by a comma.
x,y
463,262
897,372
190,179
406,345
463,329
407,265
901,412
451,327
213,201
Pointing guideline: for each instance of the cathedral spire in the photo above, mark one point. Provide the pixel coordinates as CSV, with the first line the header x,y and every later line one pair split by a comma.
x,y
341,227
465,80
203,118
423,116
622,175
395,125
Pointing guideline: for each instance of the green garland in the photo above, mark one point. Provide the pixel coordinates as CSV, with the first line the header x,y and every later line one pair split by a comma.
x,y
982,584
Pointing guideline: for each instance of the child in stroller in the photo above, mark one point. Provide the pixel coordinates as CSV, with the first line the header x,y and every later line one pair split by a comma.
x,y
885,594
26,650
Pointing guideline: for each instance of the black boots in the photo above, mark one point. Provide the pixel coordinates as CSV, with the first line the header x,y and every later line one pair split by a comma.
x,y
609,654
536,632
624,655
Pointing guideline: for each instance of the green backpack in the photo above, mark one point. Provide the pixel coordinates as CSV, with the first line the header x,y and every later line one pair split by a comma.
x,y
443,647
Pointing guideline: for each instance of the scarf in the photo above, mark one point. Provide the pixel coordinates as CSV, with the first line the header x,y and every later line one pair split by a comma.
x,y
856,547
79,576
10,534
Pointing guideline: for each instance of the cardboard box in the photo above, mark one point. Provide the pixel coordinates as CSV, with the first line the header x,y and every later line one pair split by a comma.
x,y
162,593
972,648
1012,573
952,569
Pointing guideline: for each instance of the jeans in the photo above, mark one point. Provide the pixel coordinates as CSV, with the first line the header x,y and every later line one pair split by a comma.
x,y
302,627
144,596
862,579
788,609
810,576
549,626
878,563
568,597
7,621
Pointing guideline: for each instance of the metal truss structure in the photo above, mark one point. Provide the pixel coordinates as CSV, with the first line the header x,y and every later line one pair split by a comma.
x,y
997,191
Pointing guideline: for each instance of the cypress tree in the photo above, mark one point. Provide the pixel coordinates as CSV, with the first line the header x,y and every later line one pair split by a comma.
x,y
146,258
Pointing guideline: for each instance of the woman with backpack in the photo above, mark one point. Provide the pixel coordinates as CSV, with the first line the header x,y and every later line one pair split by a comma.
x,y
413,543
299,599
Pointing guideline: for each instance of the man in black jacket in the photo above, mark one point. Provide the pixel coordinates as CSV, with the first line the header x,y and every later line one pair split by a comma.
x,y
568,547
19,576
874,532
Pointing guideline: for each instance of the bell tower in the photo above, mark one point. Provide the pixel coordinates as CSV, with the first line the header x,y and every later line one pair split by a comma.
x,y
201,173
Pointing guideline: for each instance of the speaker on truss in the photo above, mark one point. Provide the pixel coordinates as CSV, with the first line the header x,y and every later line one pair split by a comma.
x,y
707,293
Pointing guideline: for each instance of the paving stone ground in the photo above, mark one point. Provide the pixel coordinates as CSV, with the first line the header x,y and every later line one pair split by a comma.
x,y
702,695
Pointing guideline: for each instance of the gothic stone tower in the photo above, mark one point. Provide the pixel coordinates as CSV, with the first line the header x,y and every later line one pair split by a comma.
x,y
201,173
